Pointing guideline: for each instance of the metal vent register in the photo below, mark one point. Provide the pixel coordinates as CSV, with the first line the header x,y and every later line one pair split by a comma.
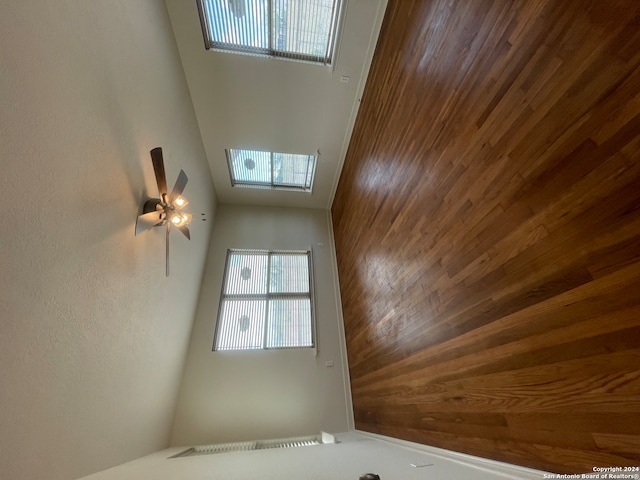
x,y
244,446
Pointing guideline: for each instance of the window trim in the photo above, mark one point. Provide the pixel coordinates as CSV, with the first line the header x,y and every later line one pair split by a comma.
x,y
273,185
269,296
328,59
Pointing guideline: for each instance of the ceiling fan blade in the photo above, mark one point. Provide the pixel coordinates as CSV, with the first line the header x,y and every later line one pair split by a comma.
x,y
167,249
185,231
148,220
178,188
158,168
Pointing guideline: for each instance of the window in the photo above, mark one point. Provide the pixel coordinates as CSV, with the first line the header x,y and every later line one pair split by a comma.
x,y
292,29
266,301
284,171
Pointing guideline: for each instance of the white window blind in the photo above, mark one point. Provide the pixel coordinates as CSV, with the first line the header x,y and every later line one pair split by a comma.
x,y
266,301
284,171
295,29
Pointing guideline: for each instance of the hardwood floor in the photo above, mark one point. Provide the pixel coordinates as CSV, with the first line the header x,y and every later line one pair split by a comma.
x,y
487,226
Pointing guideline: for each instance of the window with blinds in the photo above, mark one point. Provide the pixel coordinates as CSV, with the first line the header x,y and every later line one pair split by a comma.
x,y
283,171
292,29
266,301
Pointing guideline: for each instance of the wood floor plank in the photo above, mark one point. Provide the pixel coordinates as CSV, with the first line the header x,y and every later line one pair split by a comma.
x,y
618,443
487,229
594,309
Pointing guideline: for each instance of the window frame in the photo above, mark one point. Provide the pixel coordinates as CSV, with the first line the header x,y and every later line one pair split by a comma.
x,y
272,184
268,296
330,52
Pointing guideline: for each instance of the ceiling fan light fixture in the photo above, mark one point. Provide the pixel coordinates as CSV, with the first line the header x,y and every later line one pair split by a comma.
x,y
176,219
163,211
180,202
186,217
180,219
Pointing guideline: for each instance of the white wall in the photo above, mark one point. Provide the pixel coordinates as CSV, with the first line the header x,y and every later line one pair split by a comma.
x,y
233,396
93,337
343,461
270,104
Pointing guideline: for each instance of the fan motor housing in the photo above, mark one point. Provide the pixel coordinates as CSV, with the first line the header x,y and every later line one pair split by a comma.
x,y
154,205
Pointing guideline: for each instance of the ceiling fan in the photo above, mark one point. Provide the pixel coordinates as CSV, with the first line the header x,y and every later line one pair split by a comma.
x,y
167,210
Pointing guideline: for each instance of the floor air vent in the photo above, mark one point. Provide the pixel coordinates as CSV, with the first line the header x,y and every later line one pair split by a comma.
x,y
244,446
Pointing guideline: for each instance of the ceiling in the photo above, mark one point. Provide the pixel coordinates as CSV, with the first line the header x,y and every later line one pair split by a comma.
x,y
93,336
276,105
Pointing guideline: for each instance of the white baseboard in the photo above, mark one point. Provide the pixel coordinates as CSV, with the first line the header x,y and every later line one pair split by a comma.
x,y
343,342
505,470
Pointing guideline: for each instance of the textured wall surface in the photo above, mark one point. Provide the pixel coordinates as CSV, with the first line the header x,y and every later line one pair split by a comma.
x,y
248,395
92,335
244,101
